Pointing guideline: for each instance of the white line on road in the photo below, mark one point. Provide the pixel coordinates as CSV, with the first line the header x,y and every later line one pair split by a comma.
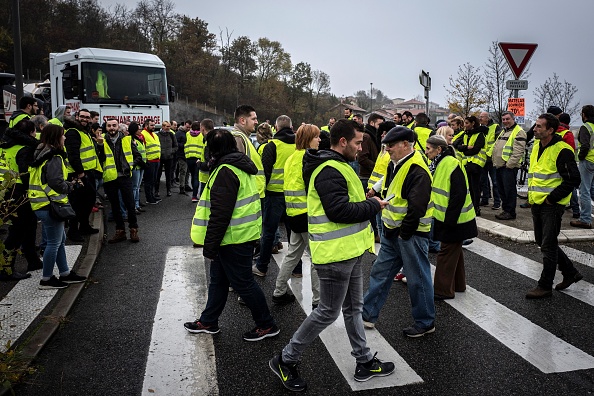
x,y
180,363
579,256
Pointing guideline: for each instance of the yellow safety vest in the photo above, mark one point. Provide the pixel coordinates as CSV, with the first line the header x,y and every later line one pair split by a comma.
x,y
152,145
41,194
325,128
255,157
543,176
508,149
142,151
110,172
260,148
194,145
410,126
490,139
481,158
15,120
8,164
394,213
441,187
283,151
246,220
459,155
331,242
88,156
295,194
379,169
590,127
203,174
422,136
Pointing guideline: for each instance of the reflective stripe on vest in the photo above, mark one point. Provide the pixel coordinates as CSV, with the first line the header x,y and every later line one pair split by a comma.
x,y
441,187
508,149
110,171
255,157
543,176
40,194
294,187
283,152
8,163
393,214
194,145
481,158
88,156
331,242
246,220
152,145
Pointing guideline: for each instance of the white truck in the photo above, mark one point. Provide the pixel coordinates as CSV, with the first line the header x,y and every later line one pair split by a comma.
x,y
128,86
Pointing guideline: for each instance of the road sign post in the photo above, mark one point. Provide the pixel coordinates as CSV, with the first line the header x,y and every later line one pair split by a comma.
x,y
425,81
517,56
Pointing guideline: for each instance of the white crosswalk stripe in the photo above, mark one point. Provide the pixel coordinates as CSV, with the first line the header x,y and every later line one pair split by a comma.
x,y
579,256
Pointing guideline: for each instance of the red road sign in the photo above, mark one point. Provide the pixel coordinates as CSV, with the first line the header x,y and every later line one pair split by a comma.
x,y
517,55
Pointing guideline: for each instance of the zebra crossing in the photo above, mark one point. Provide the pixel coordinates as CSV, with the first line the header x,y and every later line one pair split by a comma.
x,y
176,355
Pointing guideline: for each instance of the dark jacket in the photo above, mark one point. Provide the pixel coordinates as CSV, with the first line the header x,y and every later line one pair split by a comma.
x,y
122,166
180,136
567,168
449,231
333,189
223,195
285,135
459,145
324,140
72,145
51,173
24,157
369,152
168,144
584,140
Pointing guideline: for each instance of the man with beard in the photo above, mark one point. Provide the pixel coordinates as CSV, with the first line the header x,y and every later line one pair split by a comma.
x,y
120,155
153,156
246,121
83,160
408,120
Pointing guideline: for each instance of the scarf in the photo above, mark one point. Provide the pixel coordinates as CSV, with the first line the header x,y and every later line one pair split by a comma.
x,y
433,164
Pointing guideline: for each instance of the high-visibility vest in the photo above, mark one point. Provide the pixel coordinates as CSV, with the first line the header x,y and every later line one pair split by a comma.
x,y
142,150
490,139
481,158
459,154
325,128
246,219
283,151
590,127
255,157
203,174
110,172
441,187
41,194
422,136
88,156
260,148
543,176
394,213
508,149
8,164
379,169
194,145
411,125
331,242
152,145
294,187
23,116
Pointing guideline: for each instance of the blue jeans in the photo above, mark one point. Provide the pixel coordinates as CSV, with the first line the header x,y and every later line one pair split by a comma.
x,y
433,245
341,287
586,190
233,266
274,208
396,253
55,252
355,165
507,185
489,171
136,179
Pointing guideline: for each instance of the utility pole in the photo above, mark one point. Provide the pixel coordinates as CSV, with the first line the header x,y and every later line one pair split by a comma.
x,y
371,94
18,56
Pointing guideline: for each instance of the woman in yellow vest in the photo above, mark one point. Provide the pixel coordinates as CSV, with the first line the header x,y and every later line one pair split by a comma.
x,y
454,217
227,223
47,182
307,136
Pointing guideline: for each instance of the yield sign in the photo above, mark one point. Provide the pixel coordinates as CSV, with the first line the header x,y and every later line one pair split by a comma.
x,y
517,55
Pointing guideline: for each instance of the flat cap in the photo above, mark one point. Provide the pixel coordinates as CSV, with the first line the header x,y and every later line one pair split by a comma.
x,y
554,110
399,134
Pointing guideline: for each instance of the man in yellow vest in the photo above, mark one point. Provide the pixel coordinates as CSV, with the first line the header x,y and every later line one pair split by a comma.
x,y
586,167
405,237
422,130
120,157
153,157
28,107
84,160
553,175
325,134
508,152
348,113
227,222
339,235
408,120
489,170
193,150
274,156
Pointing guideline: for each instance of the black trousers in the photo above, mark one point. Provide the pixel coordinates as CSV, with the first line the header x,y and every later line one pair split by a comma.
x,y
122,184
166,165
22,231
82,200
474,185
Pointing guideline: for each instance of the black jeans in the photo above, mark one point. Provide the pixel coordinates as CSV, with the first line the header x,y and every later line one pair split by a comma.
x,y
233,266
122,184
82,200
489,171
22,230
474,185
193,171
150,179
167,165
547,224
506,184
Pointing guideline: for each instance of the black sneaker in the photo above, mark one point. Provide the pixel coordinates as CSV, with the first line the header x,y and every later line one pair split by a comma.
x,y
283,299
73,278
257,334
288,374
415,331
197,327
52,283
373,368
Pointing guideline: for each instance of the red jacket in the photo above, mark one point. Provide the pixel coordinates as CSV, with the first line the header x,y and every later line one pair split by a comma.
x,y
568,137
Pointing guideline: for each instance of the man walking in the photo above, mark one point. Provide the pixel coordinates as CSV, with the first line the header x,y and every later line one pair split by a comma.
x,y
339,234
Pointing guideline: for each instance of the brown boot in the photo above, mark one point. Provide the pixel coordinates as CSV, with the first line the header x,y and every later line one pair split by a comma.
x,y
120,235
134,235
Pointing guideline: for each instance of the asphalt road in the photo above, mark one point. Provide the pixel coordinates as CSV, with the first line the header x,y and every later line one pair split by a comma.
x,y
103,345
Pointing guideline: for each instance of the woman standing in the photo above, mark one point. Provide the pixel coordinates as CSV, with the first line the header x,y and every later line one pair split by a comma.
x,y
138,170
454,217
47,182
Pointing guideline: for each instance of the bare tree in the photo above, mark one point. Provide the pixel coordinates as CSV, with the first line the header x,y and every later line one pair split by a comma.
x,y
496,73
555,93
466,92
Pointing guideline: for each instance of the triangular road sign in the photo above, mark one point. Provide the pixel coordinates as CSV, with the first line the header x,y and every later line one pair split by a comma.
x,y
517,55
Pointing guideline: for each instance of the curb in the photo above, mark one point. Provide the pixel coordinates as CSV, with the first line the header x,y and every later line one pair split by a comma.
x,y
521,236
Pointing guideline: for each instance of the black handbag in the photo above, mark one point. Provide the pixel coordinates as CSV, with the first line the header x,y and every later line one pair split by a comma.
x,y
61,211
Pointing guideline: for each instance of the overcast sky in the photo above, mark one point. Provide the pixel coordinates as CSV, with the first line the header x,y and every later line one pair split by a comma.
x,y
387,43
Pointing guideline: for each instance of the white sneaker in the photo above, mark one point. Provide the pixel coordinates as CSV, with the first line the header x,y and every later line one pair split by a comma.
x,y
368,325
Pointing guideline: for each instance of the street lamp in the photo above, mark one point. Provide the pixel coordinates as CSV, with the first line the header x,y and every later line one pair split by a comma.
x,y
371,94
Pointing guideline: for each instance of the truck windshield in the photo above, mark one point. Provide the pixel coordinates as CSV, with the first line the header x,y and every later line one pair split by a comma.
x,y
123,84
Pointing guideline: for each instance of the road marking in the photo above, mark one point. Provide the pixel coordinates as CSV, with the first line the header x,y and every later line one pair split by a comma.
x,y
179,363
25,301
579,256
337,343
582,290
